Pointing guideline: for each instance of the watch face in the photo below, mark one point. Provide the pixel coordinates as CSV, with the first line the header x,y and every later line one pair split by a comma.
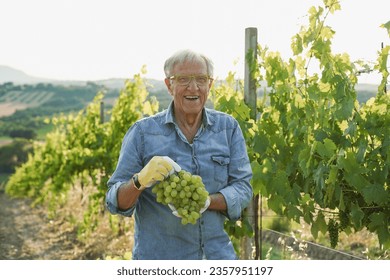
x,y
137,185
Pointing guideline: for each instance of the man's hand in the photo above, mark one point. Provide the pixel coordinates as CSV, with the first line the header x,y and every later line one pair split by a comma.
x,y
157,169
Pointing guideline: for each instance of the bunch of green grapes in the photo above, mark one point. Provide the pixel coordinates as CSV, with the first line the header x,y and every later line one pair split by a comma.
x,y
333,229
186,192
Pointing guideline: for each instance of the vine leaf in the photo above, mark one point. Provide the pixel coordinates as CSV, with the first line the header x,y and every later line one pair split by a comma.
x,y
387,26
356,216
375,194
379,223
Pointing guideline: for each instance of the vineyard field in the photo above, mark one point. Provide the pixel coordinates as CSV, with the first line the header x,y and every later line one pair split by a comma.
x,y
320,156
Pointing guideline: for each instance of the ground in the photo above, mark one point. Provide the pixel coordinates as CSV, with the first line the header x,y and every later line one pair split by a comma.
x,y
8,108
27,233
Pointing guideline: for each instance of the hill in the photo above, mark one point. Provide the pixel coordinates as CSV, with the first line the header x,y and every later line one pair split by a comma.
x,y
8,74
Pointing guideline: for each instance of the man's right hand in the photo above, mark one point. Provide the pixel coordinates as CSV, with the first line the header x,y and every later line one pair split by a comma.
x,y
157,169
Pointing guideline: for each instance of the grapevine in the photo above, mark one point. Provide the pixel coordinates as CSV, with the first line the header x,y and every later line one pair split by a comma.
x,y
313,148
81,151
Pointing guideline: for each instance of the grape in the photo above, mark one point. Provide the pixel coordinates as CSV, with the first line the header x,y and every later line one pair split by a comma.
x,y
186,192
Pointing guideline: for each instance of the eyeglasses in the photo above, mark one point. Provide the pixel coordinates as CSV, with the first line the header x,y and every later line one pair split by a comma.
x,y
200,80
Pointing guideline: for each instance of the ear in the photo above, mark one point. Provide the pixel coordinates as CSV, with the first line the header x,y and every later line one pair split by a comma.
x,y
211,83
169,85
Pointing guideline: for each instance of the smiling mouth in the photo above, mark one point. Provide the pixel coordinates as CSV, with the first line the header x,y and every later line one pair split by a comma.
x,y
191,97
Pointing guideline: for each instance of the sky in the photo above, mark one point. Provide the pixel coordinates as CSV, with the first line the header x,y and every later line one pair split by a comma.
x,y
102,39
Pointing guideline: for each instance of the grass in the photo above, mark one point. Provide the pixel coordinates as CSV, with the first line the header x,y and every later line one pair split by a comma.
x,y
4,177
362,244
3,180
270,252
5,139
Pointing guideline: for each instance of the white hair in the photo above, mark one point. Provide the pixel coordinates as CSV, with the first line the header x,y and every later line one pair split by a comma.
x,y
187,55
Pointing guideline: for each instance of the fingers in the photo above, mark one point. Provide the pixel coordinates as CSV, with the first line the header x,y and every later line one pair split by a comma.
x,y
174,211
159,177
173,164
206,205
158,168
166,164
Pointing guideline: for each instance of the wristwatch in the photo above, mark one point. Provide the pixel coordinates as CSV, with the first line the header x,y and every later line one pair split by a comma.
x,y
137,184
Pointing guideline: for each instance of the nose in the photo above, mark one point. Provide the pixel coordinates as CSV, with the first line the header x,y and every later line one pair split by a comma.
x,y
192,85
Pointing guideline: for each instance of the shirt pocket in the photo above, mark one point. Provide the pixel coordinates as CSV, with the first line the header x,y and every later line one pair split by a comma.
x,y
221,164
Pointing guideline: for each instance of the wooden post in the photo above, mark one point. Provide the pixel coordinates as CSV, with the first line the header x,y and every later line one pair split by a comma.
x,y
385,89
250,98
250,95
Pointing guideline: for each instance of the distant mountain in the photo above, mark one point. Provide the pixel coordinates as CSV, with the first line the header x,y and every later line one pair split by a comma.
x,y
8,74
18,77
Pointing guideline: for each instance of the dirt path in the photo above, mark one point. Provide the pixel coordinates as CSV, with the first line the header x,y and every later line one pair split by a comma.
x,y
26,233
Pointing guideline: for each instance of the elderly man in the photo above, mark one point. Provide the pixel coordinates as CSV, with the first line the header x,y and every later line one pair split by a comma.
x,y
202,141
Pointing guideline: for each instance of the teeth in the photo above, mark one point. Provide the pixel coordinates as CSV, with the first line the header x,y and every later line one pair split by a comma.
x,y
192,97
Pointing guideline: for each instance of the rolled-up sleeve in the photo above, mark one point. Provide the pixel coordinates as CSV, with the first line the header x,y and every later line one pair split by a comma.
x,y
129,163
238,192
112,201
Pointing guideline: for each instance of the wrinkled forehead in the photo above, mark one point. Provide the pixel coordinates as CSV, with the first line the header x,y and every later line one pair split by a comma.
x,y
190,67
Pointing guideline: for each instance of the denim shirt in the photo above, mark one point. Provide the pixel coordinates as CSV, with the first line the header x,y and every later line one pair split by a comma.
x,y
218,154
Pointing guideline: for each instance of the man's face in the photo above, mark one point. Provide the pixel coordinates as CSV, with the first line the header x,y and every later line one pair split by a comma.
x,y
189,98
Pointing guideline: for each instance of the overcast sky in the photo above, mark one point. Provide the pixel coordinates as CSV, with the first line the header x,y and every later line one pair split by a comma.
x,y
100,39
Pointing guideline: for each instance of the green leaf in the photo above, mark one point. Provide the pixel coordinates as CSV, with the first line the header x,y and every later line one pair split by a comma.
x,y
319,225
332,5
356,216
248,229
344,108
276,203
349,163
259,179
387,26
356,180
304,160
296,44
361,151
327,149
379,224
261,143
319,176
333,172
293,213
376,194
280,184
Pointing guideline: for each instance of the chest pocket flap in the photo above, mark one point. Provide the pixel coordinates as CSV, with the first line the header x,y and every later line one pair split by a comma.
x,y
222,160
221,164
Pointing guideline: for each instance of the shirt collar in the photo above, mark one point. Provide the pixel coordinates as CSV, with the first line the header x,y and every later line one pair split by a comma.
x,y
207,118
